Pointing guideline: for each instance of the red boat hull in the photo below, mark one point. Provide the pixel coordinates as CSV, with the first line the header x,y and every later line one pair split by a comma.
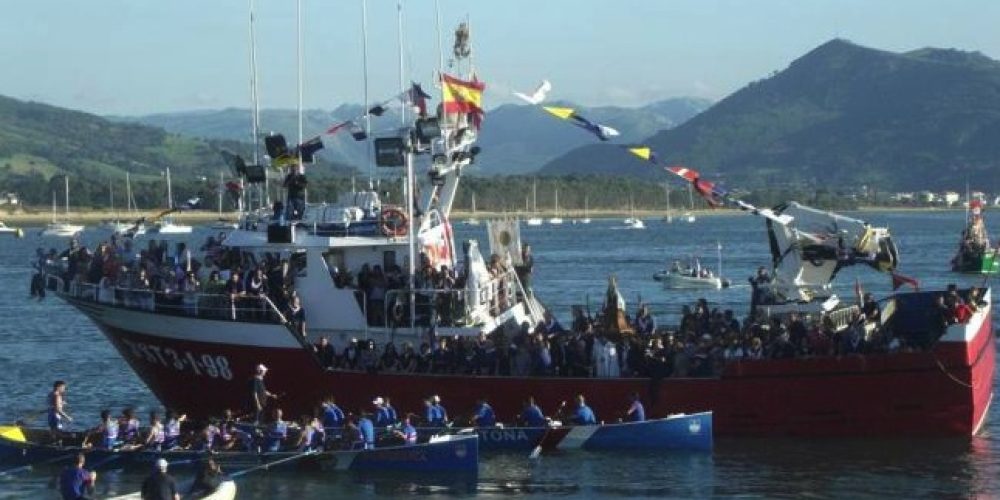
x,y
944,392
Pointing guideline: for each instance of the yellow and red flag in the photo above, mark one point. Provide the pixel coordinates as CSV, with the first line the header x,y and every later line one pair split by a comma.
x,y
461,96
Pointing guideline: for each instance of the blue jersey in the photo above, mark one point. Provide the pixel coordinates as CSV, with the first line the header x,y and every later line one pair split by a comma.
x,y
366,433
109,434
637,412
533,416
391,412
485,416
382,417
73,483
409,434
276,434
333,416
584,416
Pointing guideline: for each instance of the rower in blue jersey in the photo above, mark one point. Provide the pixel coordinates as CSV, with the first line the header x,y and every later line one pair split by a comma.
x,y
636,412
382,418
209,436
408,432
311,435
532,415
391,412
106,432
365,439
157,435
172,430
276,432
128,427
333,416
583,415
434,414
484,415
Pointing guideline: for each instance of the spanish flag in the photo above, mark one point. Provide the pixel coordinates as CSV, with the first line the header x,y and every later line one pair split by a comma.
x,y
461,96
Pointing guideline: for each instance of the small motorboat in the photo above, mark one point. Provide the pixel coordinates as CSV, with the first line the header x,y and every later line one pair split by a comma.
x,y
634,223
975,254
534,221
680,432
10,231
224,225
61,229
684,279
692,275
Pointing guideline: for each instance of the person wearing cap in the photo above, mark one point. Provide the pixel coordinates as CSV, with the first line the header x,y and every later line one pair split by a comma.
x,y
159,485
77,483
259,394
435,413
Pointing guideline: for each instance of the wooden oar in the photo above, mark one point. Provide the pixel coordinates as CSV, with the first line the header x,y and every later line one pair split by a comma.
x,y
43,462
271,464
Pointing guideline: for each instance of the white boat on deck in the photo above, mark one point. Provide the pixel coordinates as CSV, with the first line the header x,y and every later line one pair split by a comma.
x,y
166,224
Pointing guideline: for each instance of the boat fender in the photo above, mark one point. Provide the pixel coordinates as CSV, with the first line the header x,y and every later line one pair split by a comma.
x,y
392,222
398,311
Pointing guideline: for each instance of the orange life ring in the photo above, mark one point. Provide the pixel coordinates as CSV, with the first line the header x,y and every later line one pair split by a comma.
x,y
392,222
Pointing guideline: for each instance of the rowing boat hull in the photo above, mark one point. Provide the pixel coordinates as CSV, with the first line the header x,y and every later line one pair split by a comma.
x,y
673,433
450,454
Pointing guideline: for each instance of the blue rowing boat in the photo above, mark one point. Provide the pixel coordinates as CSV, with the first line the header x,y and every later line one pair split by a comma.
x,y
454,453
682,432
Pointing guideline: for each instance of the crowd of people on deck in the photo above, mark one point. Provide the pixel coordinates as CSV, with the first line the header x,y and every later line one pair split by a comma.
x,y
705,340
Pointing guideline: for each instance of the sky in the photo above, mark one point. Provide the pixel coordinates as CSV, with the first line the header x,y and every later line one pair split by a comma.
x,y
131,57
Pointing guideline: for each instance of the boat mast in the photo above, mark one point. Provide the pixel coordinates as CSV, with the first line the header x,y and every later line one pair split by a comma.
x,y
219,189
254,112
364,66
67,196
402,67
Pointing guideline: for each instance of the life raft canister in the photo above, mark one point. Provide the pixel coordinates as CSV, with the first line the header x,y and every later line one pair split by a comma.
x,y
392,222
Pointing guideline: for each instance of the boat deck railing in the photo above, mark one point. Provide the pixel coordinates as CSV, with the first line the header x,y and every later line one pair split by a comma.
x,y
245,308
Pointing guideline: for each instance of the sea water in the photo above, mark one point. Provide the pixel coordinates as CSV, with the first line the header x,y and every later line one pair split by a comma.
x,y
48,340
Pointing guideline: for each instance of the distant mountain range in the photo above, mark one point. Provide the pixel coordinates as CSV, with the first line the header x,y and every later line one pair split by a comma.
x,y
841,114
515,139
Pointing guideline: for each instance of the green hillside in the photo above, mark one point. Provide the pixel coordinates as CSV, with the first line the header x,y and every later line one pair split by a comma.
x,y
840,115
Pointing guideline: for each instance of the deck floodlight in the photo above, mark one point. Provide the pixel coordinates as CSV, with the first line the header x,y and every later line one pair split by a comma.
x,y
428,129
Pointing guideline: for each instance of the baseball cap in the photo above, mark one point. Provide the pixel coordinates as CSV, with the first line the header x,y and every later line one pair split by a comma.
x,y
162,464
261,368
378,401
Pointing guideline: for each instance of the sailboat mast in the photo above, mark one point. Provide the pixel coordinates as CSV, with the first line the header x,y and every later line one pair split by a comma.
x,y
170,193
364,71
67,195
402,67
255,104
220,192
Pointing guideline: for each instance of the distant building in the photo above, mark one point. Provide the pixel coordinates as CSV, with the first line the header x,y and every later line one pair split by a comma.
x,y
10,199
903,197
977,195
927,197
950,198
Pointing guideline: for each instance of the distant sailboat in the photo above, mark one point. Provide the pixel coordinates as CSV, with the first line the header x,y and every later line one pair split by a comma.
x,y
61,228
473,221
669,218
116,225
166,224
535,220
586,211
632,221
556,219
689,216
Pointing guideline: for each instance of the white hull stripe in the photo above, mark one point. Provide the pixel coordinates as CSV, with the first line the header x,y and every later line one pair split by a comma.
x,y
576,437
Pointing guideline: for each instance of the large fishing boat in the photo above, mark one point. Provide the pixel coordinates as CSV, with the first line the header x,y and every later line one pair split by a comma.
x,y
975,255
197,351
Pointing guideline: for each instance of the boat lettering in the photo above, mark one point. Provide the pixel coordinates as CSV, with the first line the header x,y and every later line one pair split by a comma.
x,y
503,435
208,365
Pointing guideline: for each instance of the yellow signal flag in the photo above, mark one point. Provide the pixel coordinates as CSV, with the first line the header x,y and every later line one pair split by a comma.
x,y
642,152
563,113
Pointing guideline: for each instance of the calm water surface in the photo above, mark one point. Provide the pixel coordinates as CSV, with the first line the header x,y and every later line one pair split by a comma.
x,y
42,342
